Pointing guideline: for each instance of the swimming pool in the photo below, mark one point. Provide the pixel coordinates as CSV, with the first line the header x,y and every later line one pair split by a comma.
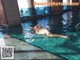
x,y
58,24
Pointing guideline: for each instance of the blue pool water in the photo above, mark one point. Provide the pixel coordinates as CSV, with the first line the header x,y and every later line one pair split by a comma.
x,y
57,23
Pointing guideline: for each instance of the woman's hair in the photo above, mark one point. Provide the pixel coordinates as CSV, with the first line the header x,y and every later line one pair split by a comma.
x,y
35,28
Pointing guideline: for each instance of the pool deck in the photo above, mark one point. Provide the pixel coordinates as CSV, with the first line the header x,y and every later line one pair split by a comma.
x,y
26,51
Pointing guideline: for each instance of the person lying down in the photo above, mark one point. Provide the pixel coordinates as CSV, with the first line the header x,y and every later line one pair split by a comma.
x,y
39,30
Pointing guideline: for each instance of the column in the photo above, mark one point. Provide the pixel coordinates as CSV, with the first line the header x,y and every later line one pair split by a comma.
x,y
2,15
11,12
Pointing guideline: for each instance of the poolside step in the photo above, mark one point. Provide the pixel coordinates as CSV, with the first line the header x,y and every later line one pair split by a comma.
x,y
35,55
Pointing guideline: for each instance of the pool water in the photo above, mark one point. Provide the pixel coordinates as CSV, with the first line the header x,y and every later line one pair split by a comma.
x,y
59,24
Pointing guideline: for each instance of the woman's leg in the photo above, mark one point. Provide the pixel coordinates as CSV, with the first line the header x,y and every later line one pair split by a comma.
x,y
57,36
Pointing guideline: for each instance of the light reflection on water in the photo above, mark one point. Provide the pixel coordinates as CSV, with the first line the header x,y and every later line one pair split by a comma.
x,y
44,22
67,21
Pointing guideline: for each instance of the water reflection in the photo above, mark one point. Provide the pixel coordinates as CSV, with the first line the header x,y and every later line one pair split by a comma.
x,y
79,14
44,22
67,21
27,31
55,24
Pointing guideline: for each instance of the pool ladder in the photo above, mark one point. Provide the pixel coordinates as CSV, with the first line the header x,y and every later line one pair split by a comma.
x,y
78,28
